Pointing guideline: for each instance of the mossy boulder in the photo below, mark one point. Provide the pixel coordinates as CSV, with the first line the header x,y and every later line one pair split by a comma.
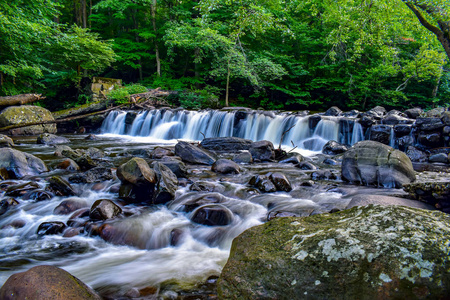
x,y
373,163
15,115
371,252
46,282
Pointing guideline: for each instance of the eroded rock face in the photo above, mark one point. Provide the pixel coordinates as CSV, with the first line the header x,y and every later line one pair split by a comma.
x,y
15,115
371,252
46,282
373,163
19,164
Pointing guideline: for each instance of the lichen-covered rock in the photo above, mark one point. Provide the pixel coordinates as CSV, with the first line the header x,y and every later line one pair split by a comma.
x,y
373,163
18,164
46,282
137,172
371,252
61,187
6,141
433,193
15,115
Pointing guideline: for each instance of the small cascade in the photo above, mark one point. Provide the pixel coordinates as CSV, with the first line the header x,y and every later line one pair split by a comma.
x,y
164,124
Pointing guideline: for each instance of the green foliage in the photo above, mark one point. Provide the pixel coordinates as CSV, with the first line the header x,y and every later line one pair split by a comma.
x,y
197,99
122,95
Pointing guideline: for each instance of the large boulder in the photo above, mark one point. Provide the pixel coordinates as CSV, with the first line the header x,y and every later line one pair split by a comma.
x,y
166,185
225,144
19,164
262,150
193,154
137,172
16,115
371,252
373,163
46,282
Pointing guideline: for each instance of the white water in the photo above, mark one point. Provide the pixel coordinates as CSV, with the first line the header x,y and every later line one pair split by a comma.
x,y
193,125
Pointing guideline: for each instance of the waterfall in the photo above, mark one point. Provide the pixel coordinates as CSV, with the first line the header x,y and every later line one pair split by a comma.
x,y
165,124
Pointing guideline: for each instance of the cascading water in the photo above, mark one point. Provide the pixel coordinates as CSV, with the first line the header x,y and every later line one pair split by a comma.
x,y
191,125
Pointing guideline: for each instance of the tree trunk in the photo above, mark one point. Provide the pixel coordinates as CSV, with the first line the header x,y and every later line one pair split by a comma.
x,y
20,99
158,61
136,37
228,84
196,72
90,12
83,14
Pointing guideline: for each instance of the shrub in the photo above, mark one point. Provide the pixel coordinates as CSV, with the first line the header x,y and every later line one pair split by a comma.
x,y
122,95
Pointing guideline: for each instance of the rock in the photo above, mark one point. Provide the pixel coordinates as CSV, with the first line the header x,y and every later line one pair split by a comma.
x,y
94,175
292,158
60,148
364,200
323,175
47,228
263,183
372,252
160,152
19,164
381,133
333,111
15,115
70,205
176,166
395,117
429,124
435,112
79,217
225,166
46,282
405,142
431,140
329,161
262,150
402,129
438,158
194,155
166,185
334,148
81,157
244,157
71,232
226,144
7,204
91,137
51,139
17,190
38,195
205,186
413,113
137,172
280,181
94,153
212,215
377,111
416,155
445,117
373,163
306,165
104,209
6,141
68,164
433,193
60,186
313,121
281,214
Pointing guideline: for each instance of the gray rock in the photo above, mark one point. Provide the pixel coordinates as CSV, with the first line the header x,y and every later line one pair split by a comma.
x,y
176,166
244,157
369,252
212,215
263,183
226,144
104,209
193,154
438,158
51,139
381,133
333,111
137,172
160,152
225,166
280,181
6,141
19,164
416,155
413,113
166,185
262,150
373,163
333,148
363,200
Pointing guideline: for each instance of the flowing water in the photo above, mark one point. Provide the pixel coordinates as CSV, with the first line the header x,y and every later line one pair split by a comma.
x,y
145,254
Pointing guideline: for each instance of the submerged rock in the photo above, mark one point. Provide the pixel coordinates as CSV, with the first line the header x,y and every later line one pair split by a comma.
x,y
47,228
212,215
372,252
373,163
46,282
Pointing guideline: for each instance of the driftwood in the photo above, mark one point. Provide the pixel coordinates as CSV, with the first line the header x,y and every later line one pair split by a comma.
x,y
152,98
20,99
6,128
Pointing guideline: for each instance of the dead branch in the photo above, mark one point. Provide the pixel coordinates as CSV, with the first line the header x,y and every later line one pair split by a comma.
x,y
20,99
284,133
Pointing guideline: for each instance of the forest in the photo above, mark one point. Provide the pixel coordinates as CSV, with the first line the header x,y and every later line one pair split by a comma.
x,y
270,54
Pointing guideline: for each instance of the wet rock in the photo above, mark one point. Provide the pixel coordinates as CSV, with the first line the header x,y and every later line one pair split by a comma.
x,y
402,129
438,158
416,155
292,158
413,113
429,124
6,141
205,186
280,181
372,163
280,214
94,153
323,175
79,217
15,115
7,204
68,164
381,133
262,151
364,200
19,164
328,256
226,144
431,140
91,137
176,166
307,183
333,111
329,161
445,117
405,142
16,190
60,148
70,205
160,152
263,183
137,194
94,175
17,223
313,121
212,215
71,232
334,148
193,154
60,186
377,111
435,112
244,157
225,166
46,282
190,204
48,228
395,117
38,195
51,139
137,172
104,209
436,194
81,157
306,165
166,185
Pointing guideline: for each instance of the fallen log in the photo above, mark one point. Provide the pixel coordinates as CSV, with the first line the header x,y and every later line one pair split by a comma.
x,y
20,99
6,128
